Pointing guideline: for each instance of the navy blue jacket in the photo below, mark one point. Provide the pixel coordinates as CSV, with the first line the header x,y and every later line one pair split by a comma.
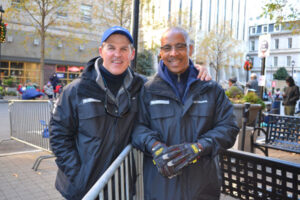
x,y
205,115
83,137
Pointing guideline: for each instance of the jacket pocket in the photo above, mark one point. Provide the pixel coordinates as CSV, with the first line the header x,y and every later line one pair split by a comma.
x,y
161,111
201,110
92,120
90,110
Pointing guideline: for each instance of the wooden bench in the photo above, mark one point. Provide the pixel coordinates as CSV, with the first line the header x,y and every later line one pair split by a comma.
x,y
281,133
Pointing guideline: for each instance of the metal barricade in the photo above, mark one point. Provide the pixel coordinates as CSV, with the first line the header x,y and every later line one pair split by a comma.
x,y
116,177
250,176
245,176
29,121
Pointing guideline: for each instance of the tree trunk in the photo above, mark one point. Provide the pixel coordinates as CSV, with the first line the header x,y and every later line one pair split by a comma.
x,y
42,58
43,36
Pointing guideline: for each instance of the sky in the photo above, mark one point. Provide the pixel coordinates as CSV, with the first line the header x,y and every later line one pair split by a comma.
x,y
255,7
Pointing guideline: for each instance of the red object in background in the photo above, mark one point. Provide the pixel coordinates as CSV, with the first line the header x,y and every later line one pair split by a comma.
x,y
61,69
248,65
57,89
73,69
19,89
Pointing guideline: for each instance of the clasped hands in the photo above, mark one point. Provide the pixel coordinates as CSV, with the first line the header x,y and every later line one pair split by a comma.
x,y
170,160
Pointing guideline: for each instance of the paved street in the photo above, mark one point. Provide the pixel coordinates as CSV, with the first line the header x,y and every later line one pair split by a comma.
x,y
4,121
19,182
17,179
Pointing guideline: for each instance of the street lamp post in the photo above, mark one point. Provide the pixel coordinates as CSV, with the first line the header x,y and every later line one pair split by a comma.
x,y
293,64
1,11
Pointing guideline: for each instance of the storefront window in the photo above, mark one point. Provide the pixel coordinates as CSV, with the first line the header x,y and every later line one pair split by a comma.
x,y
4,70
32,73
15,65
68,73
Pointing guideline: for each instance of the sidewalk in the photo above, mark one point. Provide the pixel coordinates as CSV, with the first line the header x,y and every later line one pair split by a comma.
x,y
19,182
7,98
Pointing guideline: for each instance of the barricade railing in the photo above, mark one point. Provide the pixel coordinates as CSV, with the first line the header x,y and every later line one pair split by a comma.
x,y
250,176
114,183
29,121
245,176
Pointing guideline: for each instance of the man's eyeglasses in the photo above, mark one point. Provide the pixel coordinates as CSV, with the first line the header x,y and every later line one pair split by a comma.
x,y
113,111
177,47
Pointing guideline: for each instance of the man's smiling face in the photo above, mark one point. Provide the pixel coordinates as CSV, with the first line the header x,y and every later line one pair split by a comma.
x,y
116,53
174,52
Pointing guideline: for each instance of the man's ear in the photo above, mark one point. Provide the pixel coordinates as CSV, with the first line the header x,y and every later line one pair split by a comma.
x,y
100,51
160,54
191,49
132,54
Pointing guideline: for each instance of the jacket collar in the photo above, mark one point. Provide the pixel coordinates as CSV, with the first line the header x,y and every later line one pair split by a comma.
x,y
192,77
91,81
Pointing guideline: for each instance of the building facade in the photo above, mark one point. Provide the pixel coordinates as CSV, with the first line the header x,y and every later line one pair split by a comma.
x,y
70,42
284,50
199,17
74,39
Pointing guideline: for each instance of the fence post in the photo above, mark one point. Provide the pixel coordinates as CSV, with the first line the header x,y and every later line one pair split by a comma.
x,y
245,120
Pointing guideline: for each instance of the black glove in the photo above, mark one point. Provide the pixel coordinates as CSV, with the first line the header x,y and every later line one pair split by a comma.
x,y
158,150
182,155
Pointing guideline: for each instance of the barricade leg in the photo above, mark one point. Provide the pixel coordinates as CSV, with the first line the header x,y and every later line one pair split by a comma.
x,y
39,160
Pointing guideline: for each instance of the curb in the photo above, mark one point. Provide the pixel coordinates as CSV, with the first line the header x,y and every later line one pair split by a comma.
x,y
3,101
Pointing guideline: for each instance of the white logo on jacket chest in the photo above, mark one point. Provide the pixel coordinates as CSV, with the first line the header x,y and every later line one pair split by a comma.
x,y
154,102
202,101
88,100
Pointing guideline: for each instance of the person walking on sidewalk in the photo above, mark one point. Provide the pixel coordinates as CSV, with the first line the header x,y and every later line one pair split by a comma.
x,y
183,124
290,96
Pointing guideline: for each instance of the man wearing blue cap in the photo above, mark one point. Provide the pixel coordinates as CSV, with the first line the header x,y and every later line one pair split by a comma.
x,y
94,117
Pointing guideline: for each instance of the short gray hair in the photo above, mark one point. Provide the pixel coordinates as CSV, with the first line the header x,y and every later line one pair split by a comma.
x,y
177,29
253,75
183,32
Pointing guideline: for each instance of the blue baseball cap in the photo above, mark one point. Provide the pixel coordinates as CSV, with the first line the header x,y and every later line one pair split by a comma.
x,y
115,30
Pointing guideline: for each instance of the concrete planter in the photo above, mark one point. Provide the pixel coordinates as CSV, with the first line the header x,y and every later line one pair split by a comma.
x,y
239,109
11,89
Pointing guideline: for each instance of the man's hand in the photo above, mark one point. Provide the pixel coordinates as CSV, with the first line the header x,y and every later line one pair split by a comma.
x,y
158,150
181,155
203,73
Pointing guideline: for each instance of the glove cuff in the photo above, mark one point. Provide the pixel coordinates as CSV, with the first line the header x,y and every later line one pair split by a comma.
x,y
157,148
200,148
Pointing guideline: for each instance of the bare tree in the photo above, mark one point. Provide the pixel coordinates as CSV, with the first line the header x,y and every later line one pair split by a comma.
x,y
42,14
116,12
219,49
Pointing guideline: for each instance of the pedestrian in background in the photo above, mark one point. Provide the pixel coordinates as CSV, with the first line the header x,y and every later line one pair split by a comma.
x,y
48,89
54,82
253,84
290,96
233,86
